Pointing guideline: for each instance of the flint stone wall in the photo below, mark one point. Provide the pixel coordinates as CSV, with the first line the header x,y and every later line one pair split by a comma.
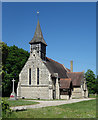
x,y
35,91
77,93
64,97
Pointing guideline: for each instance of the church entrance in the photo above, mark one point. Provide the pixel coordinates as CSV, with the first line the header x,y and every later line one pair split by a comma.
x,y
84,93
69,92
54,88
54,94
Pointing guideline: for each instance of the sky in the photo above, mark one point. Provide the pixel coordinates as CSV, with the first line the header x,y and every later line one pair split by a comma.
x,y
69,29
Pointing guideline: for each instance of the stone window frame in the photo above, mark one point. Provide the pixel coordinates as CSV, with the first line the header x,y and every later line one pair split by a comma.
x,y
29,75
37,76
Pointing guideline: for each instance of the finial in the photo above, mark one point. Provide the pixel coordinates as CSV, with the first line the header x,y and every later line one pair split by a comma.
x,y
38,14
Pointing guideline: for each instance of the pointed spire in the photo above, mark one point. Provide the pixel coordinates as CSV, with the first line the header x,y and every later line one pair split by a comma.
x,y
38,37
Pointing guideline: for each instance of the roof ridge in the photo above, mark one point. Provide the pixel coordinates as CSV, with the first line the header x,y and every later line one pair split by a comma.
x,y
66,68
54,61
74,72
65,78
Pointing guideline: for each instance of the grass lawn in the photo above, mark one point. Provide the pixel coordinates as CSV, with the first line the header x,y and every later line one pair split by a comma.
x,y
92,96
19,102
84,109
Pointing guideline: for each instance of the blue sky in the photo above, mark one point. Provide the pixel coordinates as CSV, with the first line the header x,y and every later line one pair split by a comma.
x,y
69,29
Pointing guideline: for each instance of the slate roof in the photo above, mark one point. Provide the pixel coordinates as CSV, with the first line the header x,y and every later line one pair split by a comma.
x,y
76,77
65,83
38,36
55,67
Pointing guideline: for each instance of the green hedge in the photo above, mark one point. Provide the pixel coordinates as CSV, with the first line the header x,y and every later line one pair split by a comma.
x,y
6,111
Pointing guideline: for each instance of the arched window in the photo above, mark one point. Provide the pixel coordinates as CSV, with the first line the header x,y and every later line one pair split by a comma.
x,y
29,76
37,76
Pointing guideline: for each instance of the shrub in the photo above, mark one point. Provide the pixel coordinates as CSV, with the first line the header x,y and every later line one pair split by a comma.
x,y
6,111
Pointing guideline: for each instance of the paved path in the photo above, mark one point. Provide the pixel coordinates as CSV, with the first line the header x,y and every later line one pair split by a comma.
x,y
48,103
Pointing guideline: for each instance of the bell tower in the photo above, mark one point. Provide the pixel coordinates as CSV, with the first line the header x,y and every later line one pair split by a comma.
x,y
38,43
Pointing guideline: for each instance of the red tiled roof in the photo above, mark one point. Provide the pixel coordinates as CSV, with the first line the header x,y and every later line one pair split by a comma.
x,y
65,83
76,77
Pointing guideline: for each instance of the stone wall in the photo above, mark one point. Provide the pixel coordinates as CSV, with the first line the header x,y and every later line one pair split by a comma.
x,y
77,92
34,62
64,97
82,91
41,92
34,90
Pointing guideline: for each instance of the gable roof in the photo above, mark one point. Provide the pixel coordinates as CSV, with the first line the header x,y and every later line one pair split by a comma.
x,y
38,36
55,67
76,77
68,70
65,83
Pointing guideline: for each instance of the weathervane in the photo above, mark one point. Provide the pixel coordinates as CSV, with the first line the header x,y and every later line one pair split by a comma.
x,y
38,14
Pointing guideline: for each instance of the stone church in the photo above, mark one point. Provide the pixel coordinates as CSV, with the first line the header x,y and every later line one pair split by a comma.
x,y
44,78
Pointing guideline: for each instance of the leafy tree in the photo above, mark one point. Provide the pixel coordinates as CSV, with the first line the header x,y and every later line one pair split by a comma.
x,y
4,49
13,61
3,56
97,85
91,81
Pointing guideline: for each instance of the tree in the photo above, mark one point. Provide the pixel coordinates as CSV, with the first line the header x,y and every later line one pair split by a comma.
x,y
4,52
97,85
91,81
13,63
3,56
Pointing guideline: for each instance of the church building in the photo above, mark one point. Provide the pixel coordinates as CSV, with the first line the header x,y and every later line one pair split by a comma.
x,y
44,78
